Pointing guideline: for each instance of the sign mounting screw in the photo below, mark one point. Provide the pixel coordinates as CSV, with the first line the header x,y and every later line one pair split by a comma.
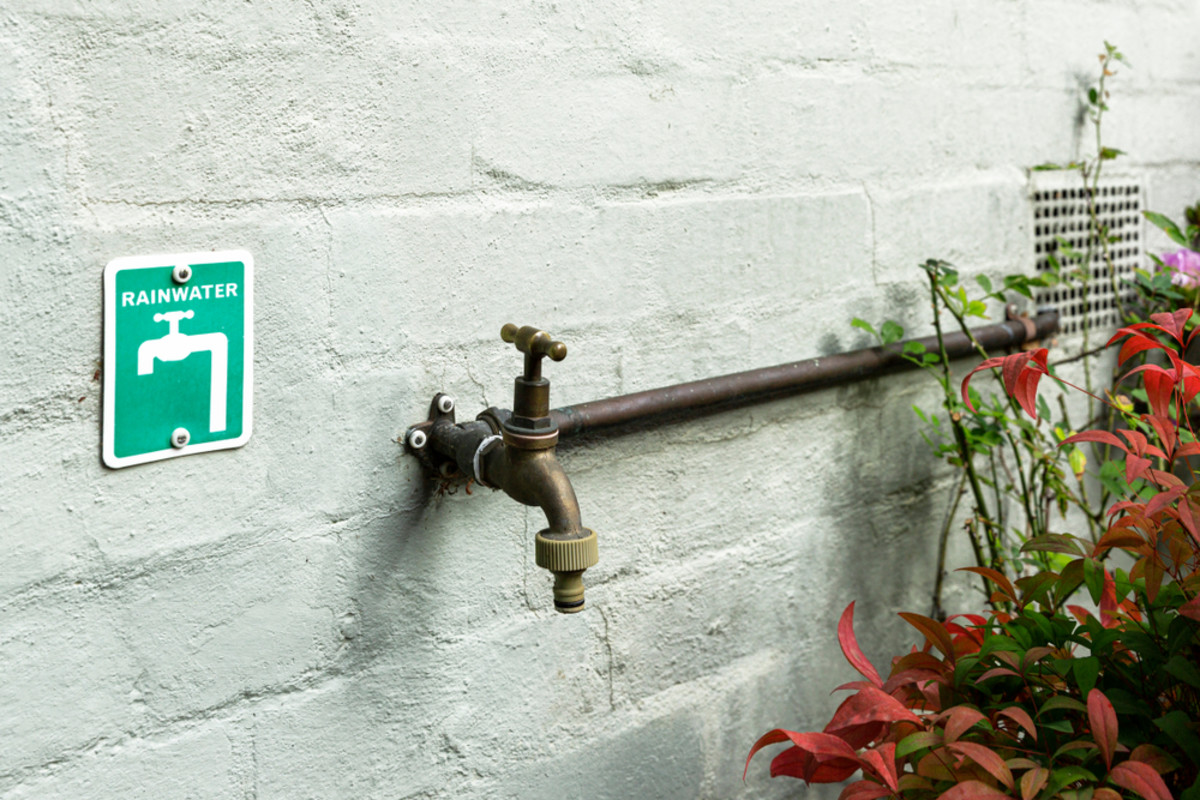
x,y
182,273
180,437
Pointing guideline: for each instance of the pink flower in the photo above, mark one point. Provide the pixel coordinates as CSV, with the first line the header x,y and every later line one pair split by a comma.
x,y
1186,266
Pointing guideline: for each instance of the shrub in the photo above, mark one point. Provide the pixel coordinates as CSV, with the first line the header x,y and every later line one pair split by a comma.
x,y
1041,698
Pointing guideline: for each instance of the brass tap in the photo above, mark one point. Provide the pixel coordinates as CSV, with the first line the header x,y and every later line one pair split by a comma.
x,y
515,452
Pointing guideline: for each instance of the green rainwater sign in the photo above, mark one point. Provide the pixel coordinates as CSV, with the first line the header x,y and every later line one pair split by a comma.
x,y
178,355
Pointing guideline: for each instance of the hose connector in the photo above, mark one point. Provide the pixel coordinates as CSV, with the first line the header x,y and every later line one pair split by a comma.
x,y
567,557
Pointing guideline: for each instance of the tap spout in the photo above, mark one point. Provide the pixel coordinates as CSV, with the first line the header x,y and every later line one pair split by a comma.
x,y
524,466
536,478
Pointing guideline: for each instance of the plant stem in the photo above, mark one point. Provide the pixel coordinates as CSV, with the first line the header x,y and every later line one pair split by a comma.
x,y
938,612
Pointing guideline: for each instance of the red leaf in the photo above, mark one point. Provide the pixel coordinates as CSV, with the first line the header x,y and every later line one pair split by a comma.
x,y
1132,330
972,790
1188,448
1137,343
1187,517
1191,609
882,762
988,364
1140,778
1139,443
859,736
964,638
1103,720
821,746
1119,537
996,672
1022,718
1154,756
1105,793
1103,437
795,762
959,719
1033,781
1163,499
934,632
1159,385
868,706
864,790
1020,377
1025,390
1135,467
1191,387
1014,365
986,758
855,685
1108,602
1163,478
996,577
1172,323
851,650
911,676
919,660
1034,655
1080,613
1165,428
1137,440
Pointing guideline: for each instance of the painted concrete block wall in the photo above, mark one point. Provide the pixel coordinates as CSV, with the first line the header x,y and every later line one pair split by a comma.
x,y
676,190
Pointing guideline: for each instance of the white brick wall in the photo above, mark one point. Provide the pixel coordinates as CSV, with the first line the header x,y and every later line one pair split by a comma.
x,y
677,191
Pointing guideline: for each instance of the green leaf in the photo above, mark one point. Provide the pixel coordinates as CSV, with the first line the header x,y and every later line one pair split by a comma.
x,y
1168,227
1112,477
1093,96
1064,776
985,282
1053,543
1059,725
1033,589
1093,576
1109,153
862,324
1062,701
1177,725
891,332
1018,284
1185,670
913,348
1086,670
1043,407
917,741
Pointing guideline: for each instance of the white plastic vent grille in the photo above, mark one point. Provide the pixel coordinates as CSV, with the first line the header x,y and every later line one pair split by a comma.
x,y
1060,209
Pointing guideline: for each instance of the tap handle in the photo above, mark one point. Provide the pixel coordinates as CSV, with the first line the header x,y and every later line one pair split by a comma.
x,y
535,344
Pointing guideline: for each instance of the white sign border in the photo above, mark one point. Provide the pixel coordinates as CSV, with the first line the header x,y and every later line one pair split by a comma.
x,y
110,349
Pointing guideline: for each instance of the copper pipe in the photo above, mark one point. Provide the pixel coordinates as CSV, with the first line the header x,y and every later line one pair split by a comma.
x,y
742,388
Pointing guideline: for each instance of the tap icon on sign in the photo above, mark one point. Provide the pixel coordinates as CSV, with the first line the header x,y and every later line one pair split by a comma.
x,y
176,346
